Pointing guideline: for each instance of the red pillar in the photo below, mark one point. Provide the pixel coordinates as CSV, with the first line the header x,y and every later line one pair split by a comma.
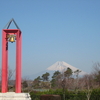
x,y
17,32
4,62
18,62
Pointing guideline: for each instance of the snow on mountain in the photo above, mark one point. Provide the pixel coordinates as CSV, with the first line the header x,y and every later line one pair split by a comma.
x,y
62,66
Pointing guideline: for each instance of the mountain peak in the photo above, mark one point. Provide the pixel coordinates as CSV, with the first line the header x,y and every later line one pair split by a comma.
x,y
62,66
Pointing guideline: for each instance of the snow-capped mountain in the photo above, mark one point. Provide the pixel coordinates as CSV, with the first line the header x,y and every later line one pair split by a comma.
x,y
62,66
58,66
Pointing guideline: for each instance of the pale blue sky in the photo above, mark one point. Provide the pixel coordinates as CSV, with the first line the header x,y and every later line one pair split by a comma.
x,y
54,30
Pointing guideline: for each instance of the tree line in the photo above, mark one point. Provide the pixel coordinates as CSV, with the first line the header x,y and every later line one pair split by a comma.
x,y
66,80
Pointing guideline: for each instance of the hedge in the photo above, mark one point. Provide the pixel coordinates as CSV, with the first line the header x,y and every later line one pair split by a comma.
x,y
69,95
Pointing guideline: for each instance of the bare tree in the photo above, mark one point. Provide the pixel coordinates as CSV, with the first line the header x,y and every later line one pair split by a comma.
x,y
10,74
88,84
96,72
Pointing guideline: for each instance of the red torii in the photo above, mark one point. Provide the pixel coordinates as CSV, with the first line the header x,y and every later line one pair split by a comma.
x,y
17,33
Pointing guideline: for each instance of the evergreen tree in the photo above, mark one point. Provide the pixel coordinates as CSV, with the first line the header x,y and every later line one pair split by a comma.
x,y
77,73
25,84
45,77
37,79
56,73
55,78
36,82
68,73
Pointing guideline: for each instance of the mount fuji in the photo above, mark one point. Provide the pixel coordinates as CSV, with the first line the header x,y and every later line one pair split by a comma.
x,y
58,66
62,66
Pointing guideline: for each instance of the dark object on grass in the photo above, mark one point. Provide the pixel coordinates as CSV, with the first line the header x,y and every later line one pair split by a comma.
x,y
50,97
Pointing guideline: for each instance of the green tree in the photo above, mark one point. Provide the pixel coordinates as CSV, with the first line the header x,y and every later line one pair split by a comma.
x,y
55,78
76,81
68,73
77,73
24,84
36,82
45,77
37,79
56,73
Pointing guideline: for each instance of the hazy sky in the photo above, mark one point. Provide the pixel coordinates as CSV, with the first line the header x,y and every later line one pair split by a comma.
x,y
54,30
